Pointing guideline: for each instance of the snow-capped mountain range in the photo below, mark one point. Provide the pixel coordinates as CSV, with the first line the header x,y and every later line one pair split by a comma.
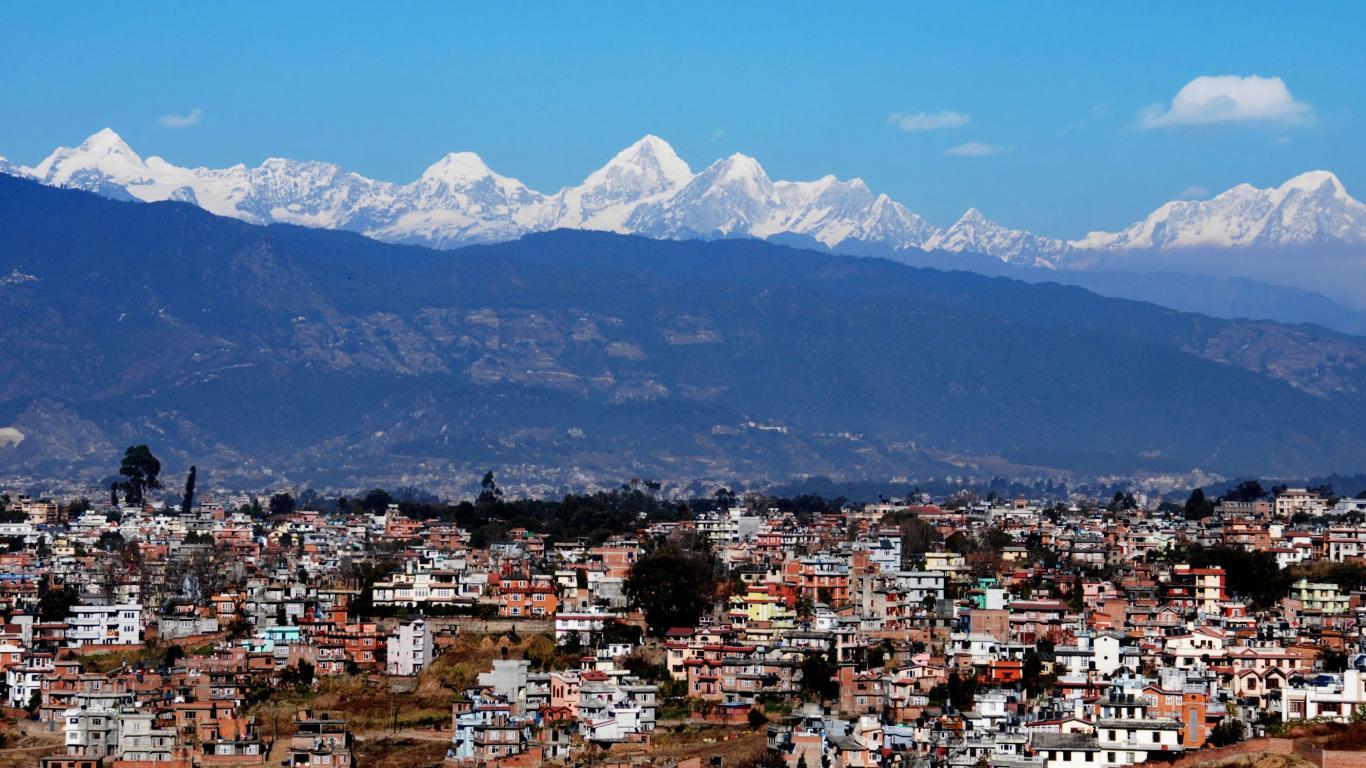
x,y
647,189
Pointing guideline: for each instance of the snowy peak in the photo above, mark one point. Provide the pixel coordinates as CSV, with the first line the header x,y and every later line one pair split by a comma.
x,y
647,189
739,169
975,233
973,218
458,168
106,141
1311,208
645,172
730,198
648,166
104,153
1314,181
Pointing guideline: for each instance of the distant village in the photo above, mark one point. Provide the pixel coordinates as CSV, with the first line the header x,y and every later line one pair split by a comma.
x,y
961,632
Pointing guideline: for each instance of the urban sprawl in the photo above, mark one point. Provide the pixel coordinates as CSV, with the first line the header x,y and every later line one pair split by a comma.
x,y
150,627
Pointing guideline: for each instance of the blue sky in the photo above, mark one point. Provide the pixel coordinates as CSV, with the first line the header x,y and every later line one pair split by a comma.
x,y
1069,117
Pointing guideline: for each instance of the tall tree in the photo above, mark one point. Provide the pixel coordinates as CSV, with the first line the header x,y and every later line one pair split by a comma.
x,y
672,586
489,493
282,504
187,501
1247,491
1198,506
140,468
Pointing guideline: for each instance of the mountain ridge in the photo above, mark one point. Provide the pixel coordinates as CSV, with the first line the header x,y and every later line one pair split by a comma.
x,y
567,358
648,189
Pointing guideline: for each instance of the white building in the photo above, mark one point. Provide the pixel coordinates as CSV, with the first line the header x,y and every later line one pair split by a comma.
x,y
1296,501
587,626
409,649
119,624
26,679
1332,697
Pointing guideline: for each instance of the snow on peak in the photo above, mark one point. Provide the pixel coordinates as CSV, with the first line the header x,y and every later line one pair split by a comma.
x,y
976,233
658,155
647,167
107,141
975,217
1313,207
458,168
648,189
104,153
1312,181
645,172
739,167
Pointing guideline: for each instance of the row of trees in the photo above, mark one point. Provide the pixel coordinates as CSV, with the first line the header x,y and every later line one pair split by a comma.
x,y
1200,505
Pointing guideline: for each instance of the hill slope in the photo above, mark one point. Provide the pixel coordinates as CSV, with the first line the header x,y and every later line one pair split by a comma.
x,y
574,357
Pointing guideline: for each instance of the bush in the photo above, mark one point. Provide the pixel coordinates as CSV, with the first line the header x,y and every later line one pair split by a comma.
x,y
1226,733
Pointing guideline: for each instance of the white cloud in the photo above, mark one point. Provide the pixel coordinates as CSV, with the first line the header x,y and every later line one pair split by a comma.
x,y
928,121
976,149
1227,99
1193,192
181,121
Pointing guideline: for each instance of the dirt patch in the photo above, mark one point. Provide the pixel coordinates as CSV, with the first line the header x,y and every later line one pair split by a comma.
x,y
388,752
1256,760
735,746
24,741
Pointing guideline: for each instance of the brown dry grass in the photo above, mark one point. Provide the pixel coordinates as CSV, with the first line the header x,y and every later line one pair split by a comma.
x,y
25,741
1257,760
374,704
735,746
1350,737
384,752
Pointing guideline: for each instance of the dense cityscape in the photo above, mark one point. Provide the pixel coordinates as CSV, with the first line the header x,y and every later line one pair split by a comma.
x,y
171,625
682,385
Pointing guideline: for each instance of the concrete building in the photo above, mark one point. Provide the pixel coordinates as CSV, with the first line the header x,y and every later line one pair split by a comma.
x,y
409,649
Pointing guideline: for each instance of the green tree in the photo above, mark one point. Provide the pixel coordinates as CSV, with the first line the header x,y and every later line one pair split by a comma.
x,y
1246,492
1197,506
376,501
1123,502
140,470
819,676
490,495
1226,733
1253,575
672,586
1032,672
281,504
917,536
187,498
55,604
960,543
1333,661
172,654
